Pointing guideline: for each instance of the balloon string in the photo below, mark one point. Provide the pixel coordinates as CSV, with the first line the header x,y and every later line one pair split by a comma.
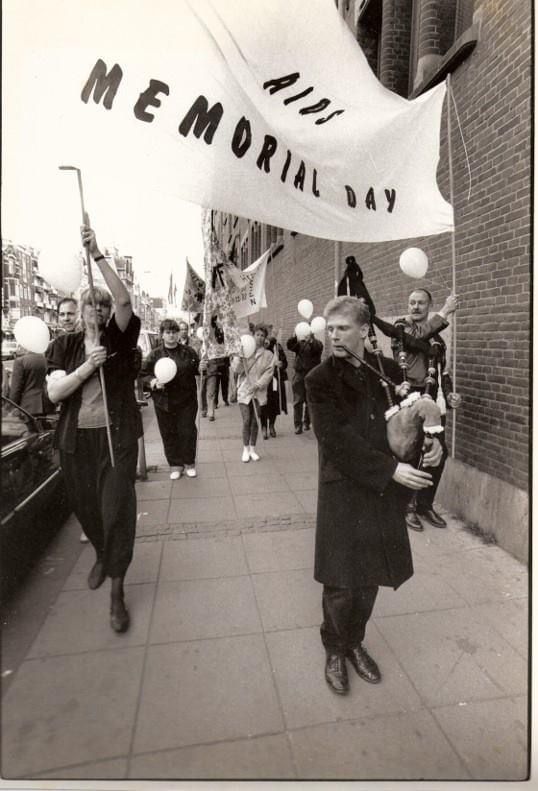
x,y
451,93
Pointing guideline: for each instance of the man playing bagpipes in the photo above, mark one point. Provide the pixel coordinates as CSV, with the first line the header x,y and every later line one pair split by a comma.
x,y
421,353
421,368
365,480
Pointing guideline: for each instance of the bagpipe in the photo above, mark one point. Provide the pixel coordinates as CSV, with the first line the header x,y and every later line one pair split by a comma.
x,y
416,419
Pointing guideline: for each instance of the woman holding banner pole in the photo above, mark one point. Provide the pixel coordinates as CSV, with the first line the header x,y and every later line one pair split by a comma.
x,y
101,485
253,375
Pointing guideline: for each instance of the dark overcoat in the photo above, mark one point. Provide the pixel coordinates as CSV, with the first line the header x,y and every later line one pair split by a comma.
x,y
361,536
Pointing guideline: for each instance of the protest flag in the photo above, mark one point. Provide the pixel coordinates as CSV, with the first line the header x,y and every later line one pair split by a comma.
x,y
193,291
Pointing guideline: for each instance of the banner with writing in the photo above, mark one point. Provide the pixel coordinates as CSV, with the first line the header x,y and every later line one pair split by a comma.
x,y
250,287
220,327
265,109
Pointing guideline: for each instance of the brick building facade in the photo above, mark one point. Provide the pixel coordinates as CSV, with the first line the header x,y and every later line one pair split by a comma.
x,y
486,47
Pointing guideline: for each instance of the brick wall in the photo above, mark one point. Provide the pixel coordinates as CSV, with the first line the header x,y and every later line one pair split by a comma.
x,y
493,91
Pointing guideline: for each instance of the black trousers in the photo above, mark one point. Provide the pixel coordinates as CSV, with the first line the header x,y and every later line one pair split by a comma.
x,y
299,401
103,497
346,612
178,433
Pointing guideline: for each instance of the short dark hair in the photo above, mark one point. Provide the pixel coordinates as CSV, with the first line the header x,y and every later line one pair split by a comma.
x,y
169,324
424,291
261,328
355,307
64,300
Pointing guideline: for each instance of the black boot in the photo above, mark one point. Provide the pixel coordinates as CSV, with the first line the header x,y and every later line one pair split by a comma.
x,y
119,615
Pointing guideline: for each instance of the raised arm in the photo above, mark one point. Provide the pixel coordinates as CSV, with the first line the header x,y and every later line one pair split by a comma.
x,y
122,301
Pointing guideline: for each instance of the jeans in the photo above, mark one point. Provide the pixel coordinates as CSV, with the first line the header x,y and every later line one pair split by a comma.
x,y
250,424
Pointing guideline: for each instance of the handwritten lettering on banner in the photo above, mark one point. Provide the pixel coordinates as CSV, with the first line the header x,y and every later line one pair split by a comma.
x,y
202,119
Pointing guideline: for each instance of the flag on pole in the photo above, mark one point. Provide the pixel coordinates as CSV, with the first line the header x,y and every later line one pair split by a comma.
x,y
193,291
221,331
250,286
264,109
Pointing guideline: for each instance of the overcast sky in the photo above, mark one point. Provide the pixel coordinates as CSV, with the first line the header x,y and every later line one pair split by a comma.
x,y
41,205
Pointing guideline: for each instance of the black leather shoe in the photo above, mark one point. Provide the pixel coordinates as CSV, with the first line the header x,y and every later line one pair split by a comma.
x,y
336,673
299,430
265,434
413,522
97,575
272,431
306,427
432,517
119,616
363,663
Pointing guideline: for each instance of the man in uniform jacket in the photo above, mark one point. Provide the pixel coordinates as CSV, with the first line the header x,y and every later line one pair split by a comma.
x,y
361,536
420,324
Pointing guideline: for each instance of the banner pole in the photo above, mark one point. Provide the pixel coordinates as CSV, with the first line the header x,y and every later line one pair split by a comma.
x,y
338,245
86,221
453,249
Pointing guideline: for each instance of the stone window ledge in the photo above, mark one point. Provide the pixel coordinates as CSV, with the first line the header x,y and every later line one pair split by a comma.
x,y
457,53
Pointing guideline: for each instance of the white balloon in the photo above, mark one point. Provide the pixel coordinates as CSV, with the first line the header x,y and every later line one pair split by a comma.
x,y
248,345
318,324
165,370
414,262
200,333
302,330
305,308
61,268
32,333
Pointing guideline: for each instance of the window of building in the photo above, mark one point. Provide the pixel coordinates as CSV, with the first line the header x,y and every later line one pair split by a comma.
x,y
415,48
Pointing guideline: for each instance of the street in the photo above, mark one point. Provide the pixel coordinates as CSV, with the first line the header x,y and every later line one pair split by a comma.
x,y
221,673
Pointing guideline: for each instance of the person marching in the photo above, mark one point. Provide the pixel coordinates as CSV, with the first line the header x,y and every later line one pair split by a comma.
x,y
176,402
102,492
253,376
276,389
418,324
361,538
307,356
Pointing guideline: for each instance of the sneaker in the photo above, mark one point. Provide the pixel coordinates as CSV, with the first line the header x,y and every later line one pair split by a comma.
x,y
84,539
190,472
253,455
246,455
175,474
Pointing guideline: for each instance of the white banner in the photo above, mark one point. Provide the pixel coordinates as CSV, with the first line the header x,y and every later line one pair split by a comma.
x,y
250,285
264,109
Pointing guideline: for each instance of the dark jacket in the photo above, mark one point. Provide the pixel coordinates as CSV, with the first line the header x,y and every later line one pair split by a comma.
x,y
361,536
27,386
120,369
181,390
307,353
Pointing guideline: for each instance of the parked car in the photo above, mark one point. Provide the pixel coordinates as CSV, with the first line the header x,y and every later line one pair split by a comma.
x,y
9,349
34,503
148,340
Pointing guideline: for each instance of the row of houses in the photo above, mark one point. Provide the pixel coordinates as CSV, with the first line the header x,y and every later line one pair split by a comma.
x,y
25,292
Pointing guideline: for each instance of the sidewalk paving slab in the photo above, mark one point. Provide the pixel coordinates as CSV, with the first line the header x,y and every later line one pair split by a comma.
x,y
221,673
